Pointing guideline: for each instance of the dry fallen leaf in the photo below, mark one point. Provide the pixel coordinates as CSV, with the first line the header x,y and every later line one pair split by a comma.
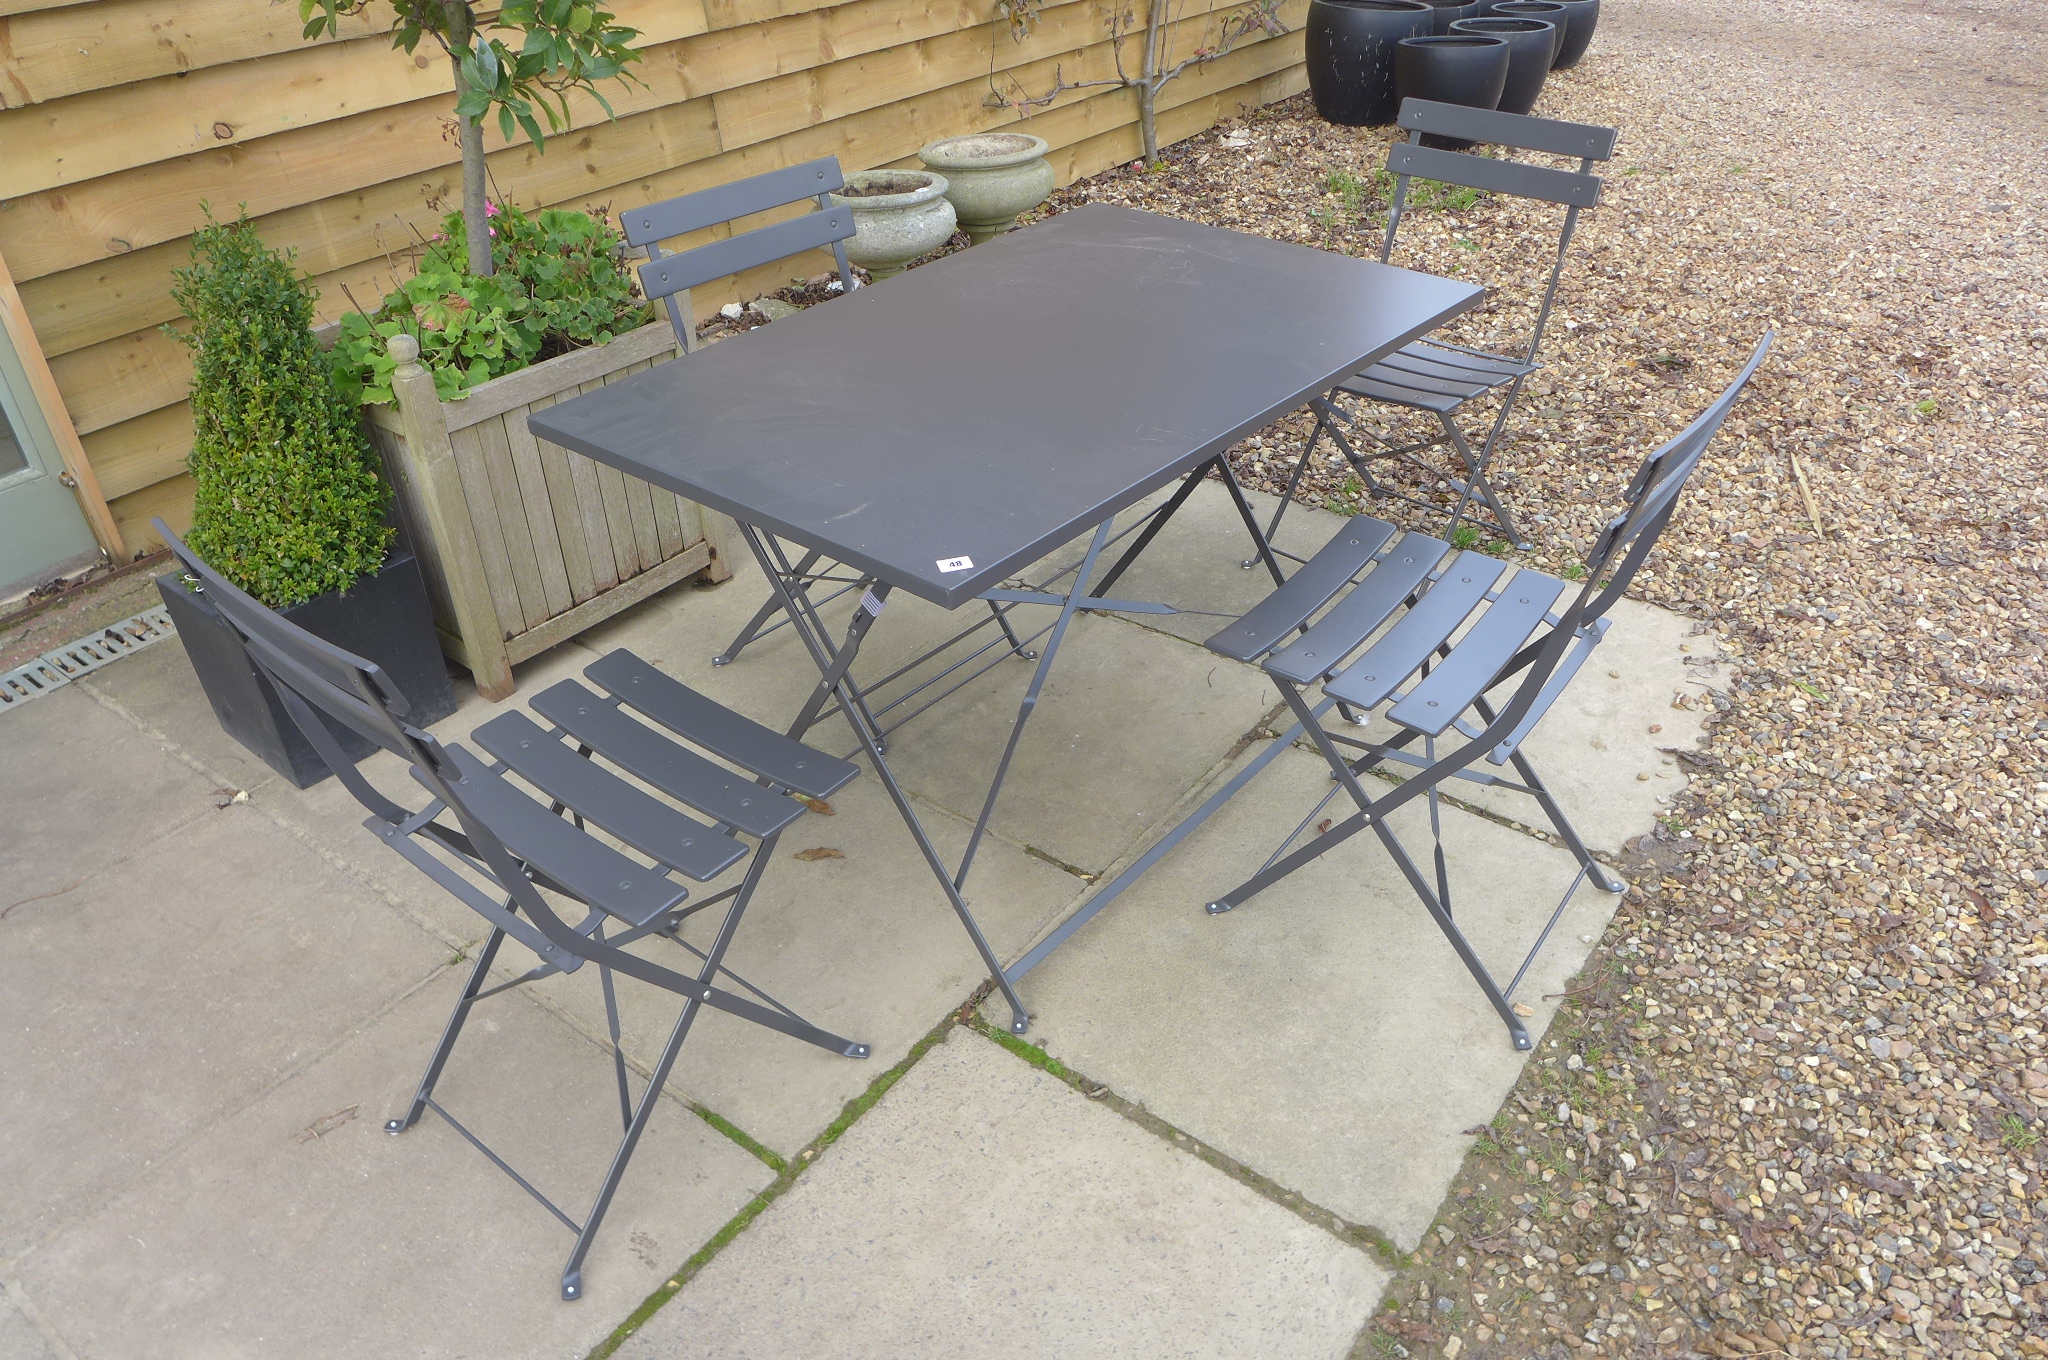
x,y
817,805
1524,1009
820,852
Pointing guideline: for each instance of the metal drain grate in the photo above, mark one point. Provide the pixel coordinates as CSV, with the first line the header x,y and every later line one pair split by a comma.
x,y
55,669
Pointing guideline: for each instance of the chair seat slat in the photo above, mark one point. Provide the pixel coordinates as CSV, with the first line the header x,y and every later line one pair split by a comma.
x,y
711,725
1449,366
1354,618
591,790
1405,396
1309,589
596,874
1436,616
676,770
1475,661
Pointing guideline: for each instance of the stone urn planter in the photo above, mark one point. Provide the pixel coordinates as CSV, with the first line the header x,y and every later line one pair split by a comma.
x,y
1531,45
1349,48
991,177
1454,68
898,215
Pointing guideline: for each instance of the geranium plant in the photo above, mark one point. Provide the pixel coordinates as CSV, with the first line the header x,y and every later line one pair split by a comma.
x,y
559,285
557,46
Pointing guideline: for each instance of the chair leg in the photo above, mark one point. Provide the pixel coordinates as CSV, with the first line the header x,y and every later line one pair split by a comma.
x,y
1301,466
1010,633
1566,832
1476,480
477,974
714,957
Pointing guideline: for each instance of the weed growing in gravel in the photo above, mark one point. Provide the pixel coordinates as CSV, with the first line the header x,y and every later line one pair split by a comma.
x,y
2016,1135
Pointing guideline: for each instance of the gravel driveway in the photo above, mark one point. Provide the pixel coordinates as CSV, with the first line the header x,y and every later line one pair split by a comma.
x,y
1798,1101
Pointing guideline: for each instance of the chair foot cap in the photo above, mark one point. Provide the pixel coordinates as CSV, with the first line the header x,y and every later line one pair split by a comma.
x,y
394,1126
721,660
1216,908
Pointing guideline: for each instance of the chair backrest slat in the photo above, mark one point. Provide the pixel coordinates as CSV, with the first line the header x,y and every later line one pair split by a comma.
x,y
1653,493
1583,140
727,202
670,274
1568,187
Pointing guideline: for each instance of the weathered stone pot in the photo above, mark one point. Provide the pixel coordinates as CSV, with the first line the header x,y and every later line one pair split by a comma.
x,y
991,177
898,215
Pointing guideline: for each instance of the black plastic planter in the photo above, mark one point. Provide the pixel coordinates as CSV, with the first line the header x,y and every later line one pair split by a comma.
x,y
1531,44
385,617
1350,51
1449,12
1549,11
1455,68
1581,18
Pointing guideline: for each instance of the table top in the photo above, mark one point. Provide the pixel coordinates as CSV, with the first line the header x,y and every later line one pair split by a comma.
x,y
952,425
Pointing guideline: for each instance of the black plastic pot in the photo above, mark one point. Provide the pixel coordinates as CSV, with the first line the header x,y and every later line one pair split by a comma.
x,y
1549,11
1449,12
1349,46
385,617
1454,68
1581,18
1531,44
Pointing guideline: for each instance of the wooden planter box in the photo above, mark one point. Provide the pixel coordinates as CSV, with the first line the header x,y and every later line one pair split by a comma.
x,y
523,543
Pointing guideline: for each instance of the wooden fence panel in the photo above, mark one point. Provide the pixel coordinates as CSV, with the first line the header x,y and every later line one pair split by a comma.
x,y
127,113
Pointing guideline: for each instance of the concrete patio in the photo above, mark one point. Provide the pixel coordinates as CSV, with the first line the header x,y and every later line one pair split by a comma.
x,y
214,1002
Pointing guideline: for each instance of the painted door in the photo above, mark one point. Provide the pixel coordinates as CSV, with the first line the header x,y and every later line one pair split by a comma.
x,y
42,530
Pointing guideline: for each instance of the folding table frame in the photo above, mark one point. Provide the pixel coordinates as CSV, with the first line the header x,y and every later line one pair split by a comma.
x,y
838,692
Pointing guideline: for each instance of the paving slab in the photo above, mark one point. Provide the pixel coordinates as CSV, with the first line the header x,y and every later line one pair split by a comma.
x,y
20,1338
1324,1033
260,1241
85,791
983,1207
864,946
170,990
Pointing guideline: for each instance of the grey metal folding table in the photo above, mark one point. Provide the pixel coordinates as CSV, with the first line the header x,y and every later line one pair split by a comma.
x,y
944,432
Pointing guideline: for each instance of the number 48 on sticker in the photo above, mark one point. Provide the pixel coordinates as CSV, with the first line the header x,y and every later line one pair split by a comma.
x,y
956,564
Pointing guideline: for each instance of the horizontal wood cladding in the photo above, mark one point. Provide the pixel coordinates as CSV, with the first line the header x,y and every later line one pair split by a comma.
x,y
123,116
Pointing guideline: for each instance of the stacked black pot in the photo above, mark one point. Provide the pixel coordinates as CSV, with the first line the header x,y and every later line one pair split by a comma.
x,y
1452,68
1531,45
1350,46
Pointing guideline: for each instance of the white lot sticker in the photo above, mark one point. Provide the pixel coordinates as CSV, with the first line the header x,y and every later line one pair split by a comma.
x,y
956,564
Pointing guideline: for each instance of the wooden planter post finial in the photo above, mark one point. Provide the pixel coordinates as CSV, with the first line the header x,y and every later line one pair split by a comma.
x,y
433,490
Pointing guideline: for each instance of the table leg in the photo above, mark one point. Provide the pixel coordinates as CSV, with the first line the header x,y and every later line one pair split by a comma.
x,y
832,667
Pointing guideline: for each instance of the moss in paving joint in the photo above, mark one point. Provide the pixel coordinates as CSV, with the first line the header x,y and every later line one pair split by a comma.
x,y
787,1173
741,1136
1357,1234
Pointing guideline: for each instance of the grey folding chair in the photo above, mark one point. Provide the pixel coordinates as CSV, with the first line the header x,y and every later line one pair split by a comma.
x,y
1436,377
505,853
668,278
1463,625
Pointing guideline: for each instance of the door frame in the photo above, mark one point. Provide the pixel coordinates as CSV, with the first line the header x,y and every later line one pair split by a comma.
x,y
49,402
